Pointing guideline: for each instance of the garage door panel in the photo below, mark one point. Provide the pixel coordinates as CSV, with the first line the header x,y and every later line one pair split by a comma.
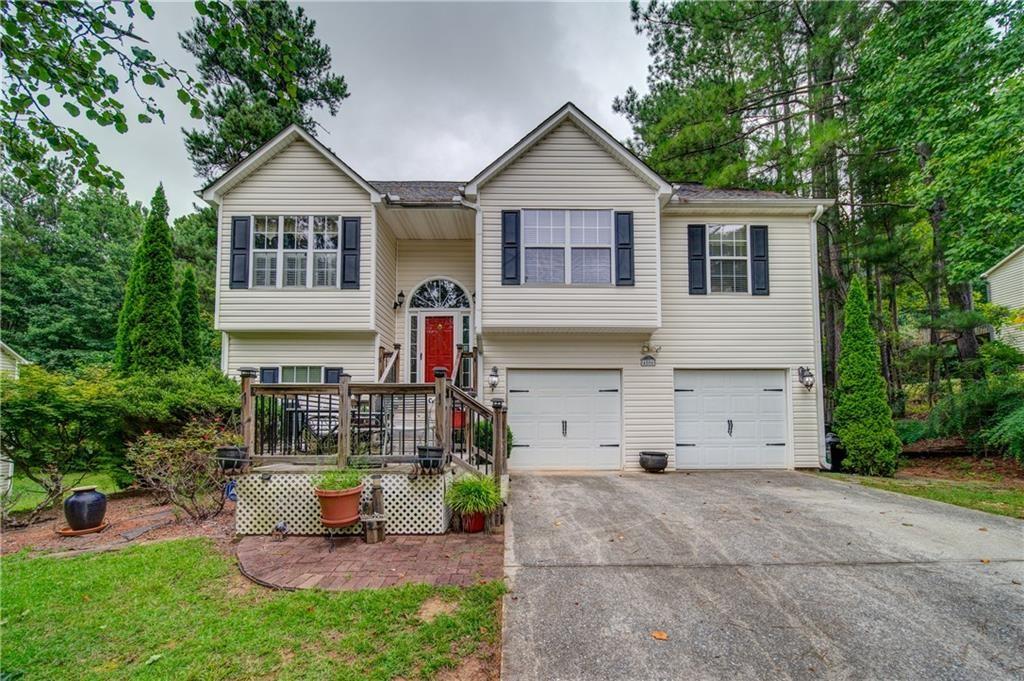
x,y
588,401
755,402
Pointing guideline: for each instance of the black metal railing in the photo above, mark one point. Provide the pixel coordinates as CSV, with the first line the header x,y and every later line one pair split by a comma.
x,y
391,420
296,420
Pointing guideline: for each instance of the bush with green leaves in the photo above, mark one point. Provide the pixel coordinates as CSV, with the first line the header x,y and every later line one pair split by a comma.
x,y
164,400
982,413
862,418
54,424
473,494
1007,433
183,468
483,437
338,480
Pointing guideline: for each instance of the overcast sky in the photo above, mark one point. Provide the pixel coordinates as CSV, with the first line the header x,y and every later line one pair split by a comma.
x,y
437,90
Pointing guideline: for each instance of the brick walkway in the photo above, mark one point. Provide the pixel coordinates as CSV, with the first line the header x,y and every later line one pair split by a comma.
x,y
305,562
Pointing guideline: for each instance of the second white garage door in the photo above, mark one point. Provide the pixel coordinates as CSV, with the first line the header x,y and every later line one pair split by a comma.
x,y
731,419
564,419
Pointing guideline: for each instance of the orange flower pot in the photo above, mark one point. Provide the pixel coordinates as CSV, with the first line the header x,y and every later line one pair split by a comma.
x,y
339,508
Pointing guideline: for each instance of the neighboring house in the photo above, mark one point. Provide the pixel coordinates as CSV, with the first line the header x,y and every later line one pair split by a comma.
x,y
614,311
10,361
1005,282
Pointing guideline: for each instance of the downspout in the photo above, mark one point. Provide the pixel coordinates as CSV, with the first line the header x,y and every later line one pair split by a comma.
x,y
819,386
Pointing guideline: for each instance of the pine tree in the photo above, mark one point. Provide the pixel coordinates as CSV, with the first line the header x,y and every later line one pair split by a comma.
x,y
863,420
188,315
155,338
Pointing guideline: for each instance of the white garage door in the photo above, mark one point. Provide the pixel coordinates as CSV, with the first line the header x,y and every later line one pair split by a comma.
x,y
731,419
564,418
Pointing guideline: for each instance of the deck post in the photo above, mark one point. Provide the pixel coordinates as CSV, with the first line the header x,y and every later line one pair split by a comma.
x,y
398,362
499,446
442,433
344,420
246,374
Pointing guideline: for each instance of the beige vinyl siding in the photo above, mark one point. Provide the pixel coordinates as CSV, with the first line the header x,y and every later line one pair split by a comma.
x,y
567,169
298,180
385,274
354,352
421,260
647,393
1006,288
735,331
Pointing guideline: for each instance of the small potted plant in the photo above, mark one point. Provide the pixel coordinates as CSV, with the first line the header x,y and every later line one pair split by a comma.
x,y
339,492
473,497
653,462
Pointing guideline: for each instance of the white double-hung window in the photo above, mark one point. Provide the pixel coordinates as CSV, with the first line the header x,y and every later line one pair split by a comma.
x,y
567,246
325,250
264,250
727,256
295,251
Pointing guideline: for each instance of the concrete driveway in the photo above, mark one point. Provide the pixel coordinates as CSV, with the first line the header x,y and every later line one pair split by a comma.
x,y
755,575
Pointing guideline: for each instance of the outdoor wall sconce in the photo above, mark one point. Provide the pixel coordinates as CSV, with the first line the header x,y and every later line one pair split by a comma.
x,y
492,378
806,377
400,301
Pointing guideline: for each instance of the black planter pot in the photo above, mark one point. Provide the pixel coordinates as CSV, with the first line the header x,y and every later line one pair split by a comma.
x,y
232,458
653,462
85,508
430,458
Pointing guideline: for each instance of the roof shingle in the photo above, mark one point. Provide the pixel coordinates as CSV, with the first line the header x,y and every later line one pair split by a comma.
x,y
419,191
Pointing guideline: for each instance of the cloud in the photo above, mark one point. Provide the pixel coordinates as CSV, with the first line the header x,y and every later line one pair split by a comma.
x,y
438,90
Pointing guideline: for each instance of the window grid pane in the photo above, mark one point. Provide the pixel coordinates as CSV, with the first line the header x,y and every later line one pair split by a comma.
x,y
728,276
264,268
325,269
265,232
545,265
414,327
325,233
295,268
591,265
301,374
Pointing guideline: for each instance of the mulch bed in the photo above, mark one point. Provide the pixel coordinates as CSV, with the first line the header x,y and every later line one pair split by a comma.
x,y
299,562
133,519
995,470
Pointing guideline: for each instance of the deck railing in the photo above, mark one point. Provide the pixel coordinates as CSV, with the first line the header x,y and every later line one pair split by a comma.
x,y
371,424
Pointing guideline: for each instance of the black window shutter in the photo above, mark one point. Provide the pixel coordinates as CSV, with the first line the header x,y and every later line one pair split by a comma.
x,y
696,245
350,252
510,248
269,374
624,275
332,374
759,260
240,252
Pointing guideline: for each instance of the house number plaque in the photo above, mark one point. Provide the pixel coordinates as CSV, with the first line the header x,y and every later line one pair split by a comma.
x,y
648,361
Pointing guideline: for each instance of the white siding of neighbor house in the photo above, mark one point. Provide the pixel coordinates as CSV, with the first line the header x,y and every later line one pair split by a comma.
x,y
9,364
1006,288
385,274
698,332
298,180
353,352
567,169
421,260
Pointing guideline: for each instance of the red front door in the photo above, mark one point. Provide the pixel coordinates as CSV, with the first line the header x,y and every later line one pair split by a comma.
x,y
439,346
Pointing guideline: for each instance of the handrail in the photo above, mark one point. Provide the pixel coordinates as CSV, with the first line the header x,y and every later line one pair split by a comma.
x,y
392,356
468,399
391,388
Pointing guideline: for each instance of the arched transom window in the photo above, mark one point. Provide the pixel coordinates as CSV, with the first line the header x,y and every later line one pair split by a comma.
x,y
440,294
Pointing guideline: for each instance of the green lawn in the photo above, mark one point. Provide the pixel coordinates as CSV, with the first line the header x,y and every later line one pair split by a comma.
x,y
29,493
981,496
179,609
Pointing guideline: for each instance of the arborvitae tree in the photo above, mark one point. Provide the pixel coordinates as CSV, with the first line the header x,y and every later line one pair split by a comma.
x,y
863,420
155,338
129,315
188,316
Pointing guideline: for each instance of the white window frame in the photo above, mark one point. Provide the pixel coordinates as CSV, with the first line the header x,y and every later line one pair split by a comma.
x,y
280,372
709,258
279,281
567,247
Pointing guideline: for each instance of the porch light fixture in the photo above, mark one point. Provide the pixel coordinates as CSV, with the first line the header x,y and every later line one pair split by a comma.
x,y
400,301
492,378
806,377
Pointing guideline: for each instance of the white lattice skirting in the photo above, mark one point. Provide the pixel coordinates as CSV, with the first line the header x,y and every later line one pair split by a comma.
x,y
411,506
